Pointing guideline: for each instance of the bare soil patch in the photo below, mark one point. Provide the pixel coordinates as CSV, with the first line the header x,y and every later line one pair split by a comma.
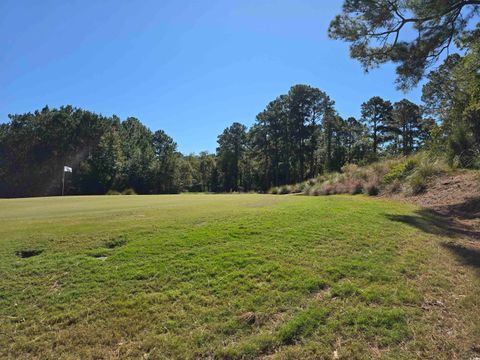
x,y
451,204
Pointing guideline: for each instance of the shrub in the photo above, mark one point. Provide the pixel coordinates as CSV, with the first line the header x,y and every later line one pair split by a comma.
x,y
350,168
129,191
327,188
400,171
340,188
304,186
371,188
113,192
380,168
298,188
274,190
417,184
355,187
394,187
358,173
285,189
426,169
337,178
353,171
429,168
461,146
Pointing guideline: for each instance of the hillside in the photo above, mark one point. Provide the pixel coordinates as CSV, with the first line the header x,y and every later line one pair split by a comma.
x,y
454,194
233,276
419,179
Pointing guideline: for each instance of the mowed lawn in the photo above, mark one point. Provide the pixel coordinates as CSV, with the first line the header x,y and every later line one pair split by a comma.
x,y
231,276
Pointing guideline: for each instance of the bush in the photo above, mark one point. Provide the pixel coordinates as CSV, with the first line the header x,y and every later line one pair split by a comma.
x,y
350,168
394,187
285,189
429,168
113,192
327,188
340,188
289,189
355,187
129,191
400,171
417,184
337,178
380,168
461,147
371,188
426,169
298,188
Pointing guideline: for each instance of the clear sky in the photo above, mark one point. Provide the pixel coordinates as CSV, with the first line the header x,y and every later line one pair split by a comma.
x,y
190,68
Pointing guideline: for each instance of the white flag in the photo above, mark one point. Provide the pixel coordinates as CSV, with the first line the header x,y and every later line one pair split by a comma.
x,y
67,169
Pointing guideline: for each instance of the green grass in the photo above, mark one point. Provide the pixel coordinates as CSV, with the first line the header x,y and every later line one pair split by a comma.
x,y
229,276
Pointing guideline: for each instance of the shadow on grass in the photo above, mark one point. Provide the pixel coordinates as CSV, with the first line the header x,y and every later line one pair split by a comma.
x,y
433,222
467,255
468,209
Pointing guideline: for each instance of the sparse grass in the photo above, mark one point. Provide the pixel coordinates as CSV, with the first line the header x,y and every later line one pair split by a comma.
x,y
230,276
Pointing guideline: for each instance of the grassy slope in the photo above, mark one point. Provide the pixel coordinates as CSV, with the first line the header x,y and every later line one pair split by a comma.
x,y
192,276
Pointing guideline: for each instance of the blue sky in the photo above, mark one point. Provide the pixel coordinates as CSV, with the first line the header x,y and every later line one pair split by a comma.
x,y
190,68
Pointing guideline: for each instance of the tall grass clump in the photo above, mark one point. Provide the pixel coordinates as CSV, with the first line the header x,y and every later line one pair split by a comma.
x,y
129,191
274,190
426,169
285,189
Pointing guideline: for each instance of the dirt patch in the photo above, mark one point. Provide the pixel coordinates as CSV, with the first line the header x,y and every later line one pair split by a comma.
x,y
452,203
325,293
455,195
248,318
28,253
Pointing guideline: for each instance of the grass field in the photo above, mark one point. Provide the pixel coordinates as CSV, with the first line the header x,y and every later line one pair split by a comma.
x,y
231,276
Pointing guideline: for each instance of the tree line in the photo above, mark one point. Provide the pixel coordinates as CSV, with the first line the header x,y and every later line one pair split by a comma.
x,y
299,135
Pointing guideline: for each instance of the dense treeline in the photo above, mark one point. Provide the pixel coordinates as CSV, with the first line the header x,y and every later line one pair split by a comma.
x,y
299,135
105,154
